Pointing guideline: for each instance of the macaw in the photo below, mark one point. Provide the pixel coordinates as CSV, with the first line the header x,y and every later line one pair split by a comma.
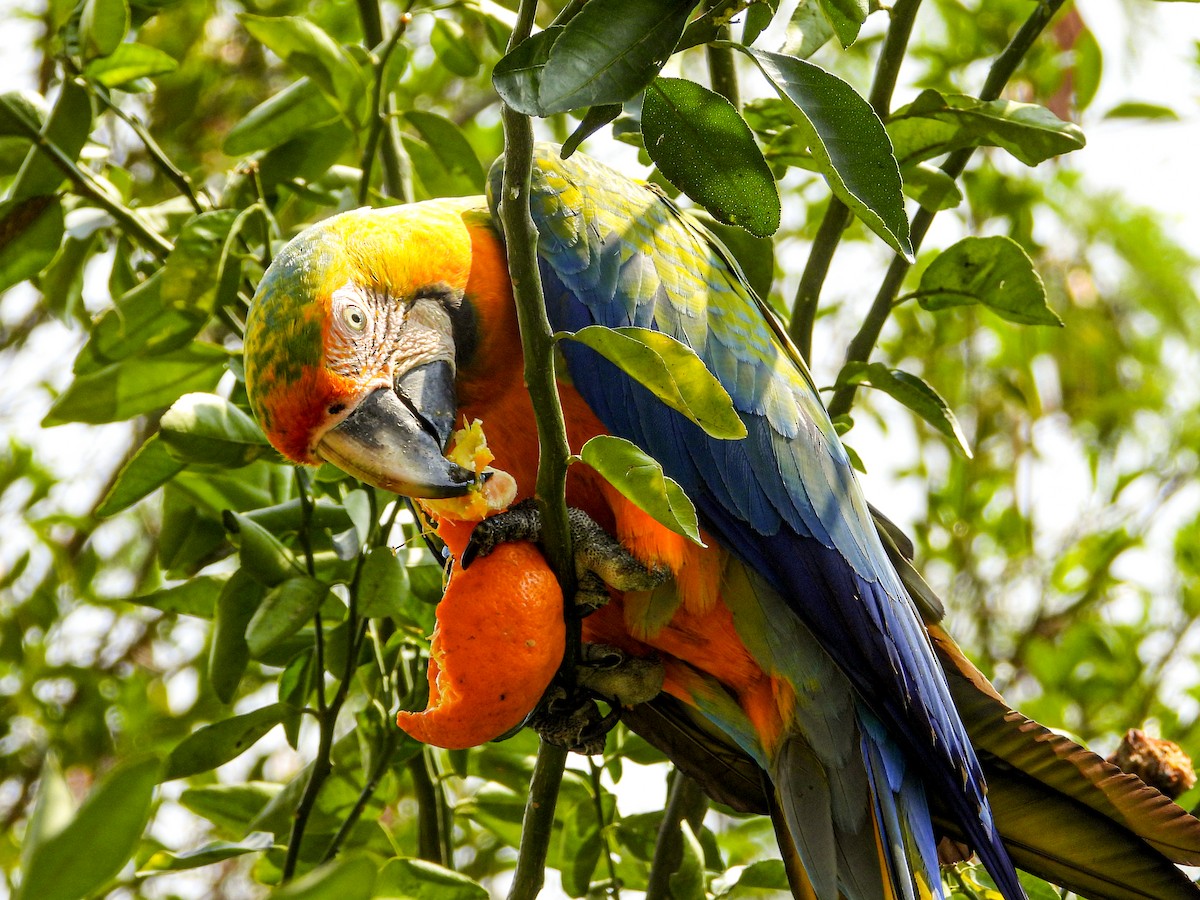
x,y
801,676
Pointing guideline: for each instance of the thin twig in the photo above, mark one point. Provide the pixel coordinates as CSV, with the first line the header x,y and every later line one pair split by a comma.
x,y
686,802
614,889
1001,71
722,70
382,133
837,214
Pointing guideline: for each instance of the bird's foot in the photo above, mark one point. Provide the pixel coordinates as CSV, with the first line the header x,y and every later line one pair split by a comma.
x,y
600,560
572,719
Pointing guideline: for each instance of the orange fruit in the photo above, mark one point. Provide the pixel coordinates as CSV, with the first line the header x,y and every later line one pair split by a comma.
x,y
499,641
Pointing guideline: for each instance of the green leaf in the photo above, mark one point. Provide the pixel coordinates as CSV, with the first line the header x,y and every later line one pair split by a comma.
x,y
102,26
297,108
216,744
264,557
913,393
453,48
607,53
311,51
343,879
229,806
703,147
228,652
758,17
595,119
283,612
52,812
671,371
641,480
808,31
994,271
22,112
135,386
417,879
129,62
67,129
195,275
444,160
194,597
205,428
207,854
931,187
766,874
149,469
382,585
191,537
138,325
848,143
90,850
517,77
846,17
935,123
31,231
687,882
1138,109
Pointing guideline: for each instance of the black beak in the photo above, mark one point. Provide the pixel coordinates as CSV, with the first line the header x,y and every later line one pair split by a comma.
x,y
394,438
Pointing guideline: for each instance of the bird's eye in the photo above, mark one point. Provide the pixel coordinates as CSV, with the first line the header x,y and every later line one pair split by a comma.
x,y
354,317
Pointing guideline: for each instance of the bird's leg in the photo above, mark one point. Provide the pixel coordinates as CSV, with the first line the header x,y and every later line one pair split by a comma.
x,y
571,717
600,560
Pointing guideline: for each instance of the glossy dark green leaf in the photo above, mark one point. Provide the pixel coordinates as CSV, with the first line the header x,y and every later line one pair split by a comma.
x,y
607,53
517,77
298,107
102,25
641,480
994,271
197,266
147,470
138,385
228,652
847,141
382,585
702,146
311,51
67,129
846,17
305,157
216,744
443,159
346,878
206,428
91,849
595,119
194,597
758,17
417,879
129,62
671,371
453,48
935,123
208,854
913,393
138,324
31,231
264,557
283,612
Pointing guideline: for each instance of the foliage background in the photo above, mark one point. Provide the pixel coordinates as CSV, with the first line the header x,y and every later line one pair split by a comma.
x,y
1066,547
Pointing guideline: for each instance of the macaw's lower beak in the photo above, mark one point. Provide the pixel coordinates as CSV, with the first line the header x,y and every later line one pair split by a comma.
x,y
394,438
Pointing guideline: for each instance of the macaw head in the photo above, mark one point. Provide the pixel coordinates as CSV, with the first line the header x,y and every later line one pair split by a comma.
x,y
354,339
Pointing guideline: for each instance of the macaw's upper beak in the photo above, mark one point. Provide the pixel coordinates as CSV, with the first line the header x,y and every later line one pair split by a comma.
x,y
394,439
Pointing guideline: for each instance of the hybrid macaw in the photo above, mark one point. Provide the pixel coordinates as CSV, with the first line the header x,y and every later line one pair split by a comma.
x,y
801,676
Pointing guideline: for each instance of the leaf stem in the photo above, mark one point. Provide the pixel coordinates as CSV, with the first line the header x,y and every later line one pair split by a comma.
x,y
837,214
860,347
614,889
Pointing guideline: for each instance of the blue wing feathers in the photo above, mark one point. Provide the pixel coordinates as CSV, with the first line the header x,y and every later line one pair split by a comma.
x,y
784,500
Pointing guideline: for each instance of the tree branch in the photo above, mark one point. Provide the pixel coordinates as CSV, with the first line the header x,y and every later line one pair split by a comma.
x,y
837,214
1001,71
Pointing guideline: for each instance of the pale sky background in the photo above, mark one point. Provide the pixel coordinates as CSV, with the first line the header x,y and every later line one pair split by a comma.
x,y
1150,55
